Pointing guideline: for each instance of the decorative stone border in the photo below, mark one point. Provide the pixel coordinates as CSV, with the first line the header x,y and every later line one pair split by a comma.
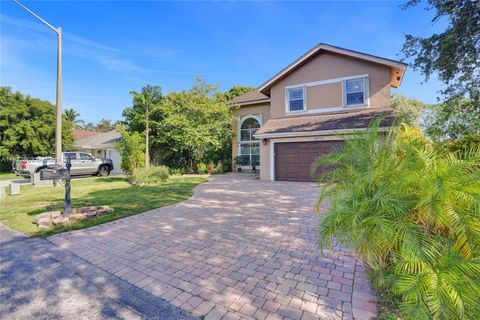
x,y
55,218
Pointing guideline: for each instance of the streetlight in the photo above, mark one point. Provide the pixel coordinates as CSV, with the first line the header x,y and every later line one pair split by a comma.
x,y
58,126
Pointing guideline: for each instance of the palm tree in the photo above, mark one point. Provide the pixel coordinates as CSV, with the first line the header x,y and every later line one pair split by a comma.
x,y
74,117
410,210
144,102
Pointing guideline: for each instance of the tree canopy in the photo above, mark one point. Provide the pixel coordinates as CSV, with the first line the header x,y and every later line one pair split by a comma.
x,y
186,127
408,110
74,117
104,125
453,54
234,92
27,126
453,120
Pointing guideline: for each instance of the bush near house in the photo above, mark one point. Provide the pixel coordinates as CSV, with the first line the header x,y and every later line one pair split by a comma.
x,y
131,149
149,175
410,209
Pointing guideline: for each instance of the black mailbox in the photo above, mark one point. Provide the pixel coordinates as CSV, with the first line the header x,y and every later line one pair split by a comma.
x,y
51,174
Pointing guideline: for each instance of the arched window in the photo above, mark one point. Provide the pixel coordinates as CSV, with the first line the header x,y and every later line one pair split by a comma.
x,y
249,146
248,129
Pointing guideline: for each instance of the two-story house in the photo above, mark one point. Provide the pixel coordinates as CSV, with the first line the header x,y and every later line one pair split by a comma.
x,y
302,111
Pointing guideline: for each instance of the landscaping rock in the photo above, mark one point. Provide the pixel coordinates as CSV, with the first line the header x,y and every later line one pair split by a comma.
x,y
90,214
61,221
45,222
41,216
55,214
55,218
50,214
101,212
108,208
77,217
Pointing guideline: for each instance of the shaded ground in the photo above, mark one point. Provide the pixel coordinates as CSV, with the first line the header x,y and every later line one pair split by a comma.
x,y
40,281
240,248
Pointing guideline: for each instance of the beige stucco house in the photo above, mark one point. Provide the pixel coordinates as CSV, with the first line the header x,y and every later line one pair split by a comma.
x,y
303,110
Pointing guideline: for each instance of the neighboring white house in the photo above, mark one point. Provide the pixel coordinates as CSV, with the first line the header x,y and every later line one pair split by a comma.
x,y
99,145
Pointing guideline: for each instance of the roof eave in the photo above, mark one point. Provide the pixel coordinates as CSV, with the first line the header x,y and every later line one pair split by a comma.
x,y
313,133
248,102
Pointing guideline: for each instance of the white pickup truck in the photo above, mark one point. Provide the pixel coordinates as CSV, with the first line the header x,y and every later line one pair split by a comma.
x,y
82,164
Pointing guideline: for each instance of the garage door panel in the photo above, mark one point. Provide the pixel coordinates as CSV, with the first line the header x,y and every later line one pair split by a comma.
x,y
293,159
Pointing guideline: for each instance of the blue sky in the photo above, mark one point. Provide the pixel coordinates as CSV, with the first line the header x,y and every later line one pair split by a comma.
x,y
112,47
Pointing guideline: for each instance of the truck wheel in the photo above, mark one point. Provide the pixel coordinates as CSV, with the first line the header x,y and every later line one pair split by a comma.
x,y
104,171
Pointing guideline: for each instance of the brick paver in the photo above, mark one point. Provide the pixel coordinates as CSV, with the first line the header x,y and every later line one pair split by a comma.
x,y
240,248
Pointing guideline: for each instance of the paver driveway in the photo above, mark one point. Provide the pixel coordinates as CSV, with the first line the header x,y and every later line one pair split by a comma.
x,y
240,248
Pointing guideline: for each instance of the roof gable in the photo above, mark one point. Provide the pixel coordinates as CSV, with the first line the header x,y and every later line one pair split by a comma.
x,y
397,68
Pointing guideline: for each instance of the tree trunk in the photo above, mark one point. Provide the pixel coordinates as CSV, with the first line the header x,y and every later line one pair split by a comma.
x,y
147,138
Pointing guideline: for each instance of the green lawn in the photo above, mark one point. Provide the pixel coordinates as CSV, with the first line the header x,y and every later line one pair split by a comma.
x,y
18,212
8,176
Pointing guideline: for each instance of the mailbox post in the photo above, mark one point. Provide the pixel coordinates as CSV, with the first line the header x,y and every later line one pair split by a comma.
x,y
68,203
61,173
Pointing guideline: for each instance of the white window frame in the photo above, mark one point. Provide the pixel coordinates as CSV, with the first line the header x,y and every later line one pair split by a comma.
x,y
366,98
287,99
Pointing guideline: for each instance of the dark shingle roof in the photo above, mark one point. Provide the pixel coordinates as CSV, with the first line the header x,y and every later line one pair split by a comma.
x,y
333,121
250,97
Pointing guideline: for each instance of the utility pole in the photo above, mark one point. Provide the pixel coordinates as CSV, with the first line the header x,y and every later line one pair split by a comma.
x,y
58,125
147,137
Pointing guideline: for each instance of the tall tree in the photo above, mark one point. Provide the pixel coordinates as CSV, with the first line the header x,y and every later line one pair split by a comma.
x,y
408,110
143,105
27,126
234,92
453,54
74,117
453,120
89,127
104,125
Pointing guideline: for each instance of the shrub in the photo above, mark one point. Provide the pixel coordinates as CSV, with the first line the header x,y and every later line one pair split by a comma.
x,y
410,209
201,168
226,165
214,169
132,150
210,168
150,175
176,171
218,169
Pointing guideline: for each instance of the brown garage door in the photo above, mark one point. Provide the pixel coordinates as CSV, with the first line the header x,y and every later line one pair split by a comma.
x,y
293,159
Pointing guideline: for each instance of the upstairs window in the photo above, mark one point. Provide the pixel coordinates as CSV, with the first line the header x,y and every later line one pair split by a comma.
x,y
355,92
295,98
